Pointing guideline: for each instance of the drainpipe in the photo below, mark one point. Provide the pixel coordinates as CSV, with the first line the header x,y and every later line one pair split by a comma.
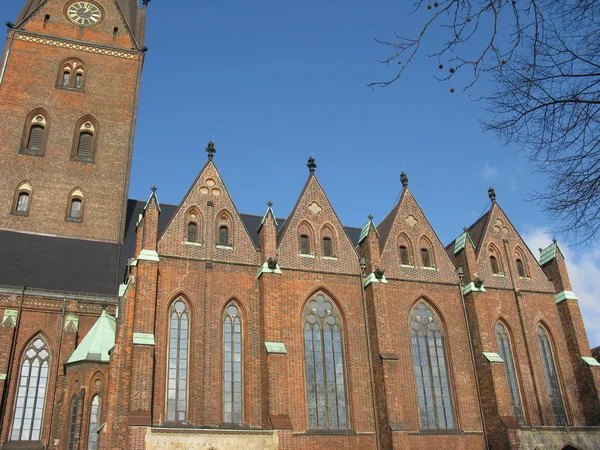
x,y
3,71
472,352
11,355
369,353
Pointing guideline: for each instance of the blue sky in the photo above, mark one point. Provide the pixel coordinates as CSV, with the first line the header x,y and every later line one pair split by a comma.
x,y
278,81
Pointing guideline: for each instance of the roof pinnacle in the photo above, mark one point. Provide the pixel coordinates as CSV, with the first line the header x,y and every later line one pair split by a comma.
x,y
404,179
153,189
211,150
311,164
370,216
492,194
269,204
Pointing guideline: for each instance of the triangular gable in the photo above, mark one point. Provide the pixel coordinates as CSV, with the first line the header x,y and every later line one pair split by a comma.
x,y
497,229
205,202
127,10
407,225
314,211
97,343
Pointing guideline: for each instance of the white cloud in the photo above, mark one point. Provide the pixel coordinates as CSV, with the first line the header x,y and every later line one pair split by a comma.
x,y
583,265
488,172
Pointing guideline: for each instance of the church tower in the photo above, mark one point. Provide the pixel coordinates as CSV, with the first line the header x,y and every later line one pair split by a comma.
x,y
69,84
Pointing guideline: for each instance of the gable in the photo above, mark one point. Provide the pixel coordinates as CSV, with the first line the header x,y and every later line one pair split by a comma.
x,y
499,229
122,15
209,206
314,217
408,227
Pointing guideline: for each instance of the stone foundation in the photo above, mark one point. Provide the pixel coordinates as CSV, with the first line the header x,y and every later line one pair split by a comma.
x,y
557,439
210,439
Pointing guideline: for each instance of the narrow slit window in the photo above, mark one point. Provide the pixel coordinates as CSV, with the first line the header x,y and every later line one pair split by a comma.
x,y
66,78
404,260
505,353
223,236
192,235
551,375
232,366
178,363
73,423
494,264
521,268
426,257
94,423
327,247
304,244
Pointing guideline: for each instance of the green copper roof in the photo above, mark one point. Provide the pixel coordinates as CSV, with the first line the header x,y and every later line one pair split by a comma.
x,y
365,231
98,342
461,242
548,254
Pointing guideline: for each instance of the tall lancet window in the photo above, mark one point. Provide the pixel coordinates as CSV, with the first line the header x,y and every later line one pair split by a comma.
x,y
431,369
94,423
558,408
505,353
177,380
325,378
232,365
31,393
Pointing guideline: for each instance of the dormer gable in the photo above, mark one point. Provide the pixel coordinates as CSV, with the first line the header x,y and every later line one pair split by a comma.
x,y
410,248
313,237
207,225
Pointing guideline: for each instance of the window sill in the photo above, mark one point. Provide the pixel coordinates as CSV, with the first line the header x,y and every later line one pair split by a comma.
x,y
408,266
303,255
193,244
499,275
441,431
74,219
430,268
225,247
328,432
330,258
82,159
20,213
67,88
31,152
525,278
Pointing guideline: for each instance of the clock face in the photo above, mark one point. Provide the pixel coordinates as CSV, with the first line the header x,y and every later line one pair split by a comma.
x,y
84,14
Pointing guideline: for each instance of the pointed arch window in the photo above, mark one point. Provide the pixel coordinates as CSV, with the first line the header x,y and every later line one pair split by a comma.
x,y
521,268
192,232
427,258
31,393
405,250
94,422
495,263
36,133
177,377
327,247
22,202
71,74
431,369
232,365
74,423
223,235
84,142
404,256
75,206
504,350
324,359
551,375
304,244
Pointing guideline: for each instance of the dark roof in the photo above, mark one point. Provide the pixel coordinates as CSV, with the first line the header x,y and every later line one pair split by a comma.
x,y
596,353
60,264
478,228
133,15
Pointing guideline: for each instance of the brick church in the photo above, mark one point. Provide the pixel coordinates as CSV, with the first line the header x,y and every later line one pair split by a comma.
x,y
130,324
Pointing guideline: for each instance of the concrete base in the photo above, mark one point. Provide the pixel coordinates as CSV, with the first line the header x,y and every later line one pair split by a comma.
x,y
210,439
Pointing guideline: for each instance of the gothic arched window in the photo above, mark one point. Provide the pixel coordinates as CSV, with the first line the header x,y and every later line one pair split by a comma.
x,y
427,258
223,235
177,376
71,74
84,142
232,365
31,394
325,379
431,369
558,408
36,133
503,341
75,207
22,202
94,423
495,262
192,232
73,423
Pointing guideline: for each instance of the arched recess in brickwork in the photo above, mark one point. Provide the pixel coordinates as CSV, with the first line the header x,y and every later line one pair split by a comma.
x,y
23,198
32,391
504,343
35,133
431,367
306,238
329,241
225,230
85,139
176,404
426,252
71,74
233,363
193,225
521,263
75,205
324,358
405,250
495,260
551,373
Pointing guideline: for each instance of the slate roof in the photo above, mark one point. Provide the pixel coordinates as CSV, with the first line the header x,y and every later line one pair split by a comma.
x,y
60,264
98,342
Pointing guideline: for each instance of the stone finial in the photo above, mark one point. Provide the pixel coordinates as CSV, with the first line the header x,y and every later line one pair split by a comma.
x,y
492,194
211,150
145,3
404,179
153,189
270,204
554,241
311,164
370,216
